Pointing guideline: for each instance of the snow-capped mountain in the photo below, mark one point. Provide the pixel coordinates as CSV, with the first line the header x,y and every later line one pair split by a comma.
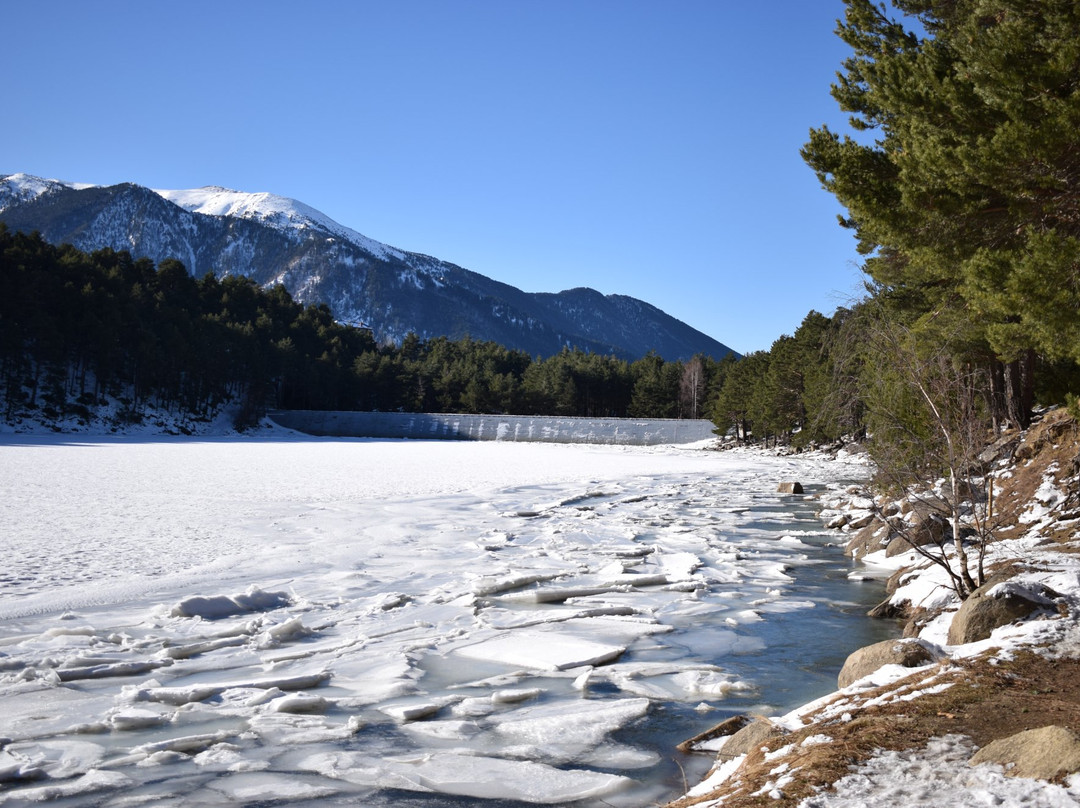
x,y
275,240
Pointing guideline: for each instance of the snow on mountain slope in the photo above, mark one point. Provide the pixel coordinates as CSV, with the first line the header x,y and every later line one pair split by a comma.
x,y
273,210
16,189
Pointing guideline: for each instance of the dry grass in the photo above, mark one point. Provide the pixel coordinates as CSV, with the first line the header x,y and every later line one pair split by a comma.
x,y
1052,443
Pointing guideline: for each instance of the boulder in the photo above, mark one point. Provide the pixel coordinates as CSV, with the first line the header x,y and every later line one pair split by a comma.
x,y
1002,449
869,539
982,612
753,736
1041,753
790,488
898,579
927,528
860,519
909,653
837,521
918,618
887,610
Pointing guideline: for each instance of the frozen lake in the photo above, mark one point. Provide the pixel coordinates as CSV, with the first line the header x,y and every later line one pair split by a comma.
x,y
400,623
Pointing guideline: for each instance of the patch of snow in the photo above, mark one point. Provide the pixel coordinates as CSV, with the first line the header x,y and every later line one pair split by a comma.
x,y
939,775
274,210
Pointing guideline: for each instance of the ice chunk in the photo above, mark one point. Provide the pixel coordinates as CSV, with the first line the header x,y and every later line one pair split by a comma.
x,y
132,668
93,781
411,711
181,695
216,607
562,593
287,729
541,651
186,744
196,648
226,757
134,718
494,584
515,695
245,789
474,707
572,726
57,759
679,566
451,730
300,703
291,629
505,780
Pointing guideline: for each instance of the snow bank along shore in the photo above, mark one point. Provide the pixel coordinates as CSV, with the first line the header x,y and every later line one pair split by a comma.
x,y
979,703
280,619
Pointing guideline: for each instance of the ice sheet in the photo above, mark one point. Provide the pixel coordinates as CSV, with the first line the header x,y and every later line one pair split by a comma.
x,y
233,621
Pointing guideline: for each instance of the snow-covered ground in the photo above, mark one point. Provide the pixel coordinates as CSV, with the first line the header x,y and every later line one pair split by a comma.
x,y
242,621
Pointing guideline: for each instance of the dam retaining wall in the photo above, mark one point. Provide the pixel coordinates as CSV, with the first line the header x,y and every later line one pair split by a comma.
x,y
535,428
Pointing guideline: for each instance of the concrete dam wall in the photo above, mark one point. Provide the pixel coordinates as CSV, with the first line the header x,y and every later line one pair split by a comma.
x,y
538,428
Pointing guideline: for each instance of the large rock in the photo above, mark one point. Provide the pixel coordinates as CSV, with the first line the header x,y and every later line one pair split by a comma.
x,y
898,579
753,736
861,519
887,610
982,612
869,539
923,529
909,653
790,488
1041,753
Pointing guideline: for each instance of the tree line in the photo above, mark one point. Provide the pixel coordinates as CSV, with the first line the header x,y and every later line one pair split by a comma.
x,y
77,327
961,181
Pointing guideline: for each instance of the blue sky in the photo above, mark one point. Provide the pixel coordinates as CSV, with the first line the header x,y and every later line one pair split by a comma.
x,y
639,148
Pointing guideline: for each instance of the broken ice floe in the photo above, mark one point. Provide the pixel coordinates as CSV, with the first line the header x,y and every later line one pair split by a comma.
x,y
216,607
424,641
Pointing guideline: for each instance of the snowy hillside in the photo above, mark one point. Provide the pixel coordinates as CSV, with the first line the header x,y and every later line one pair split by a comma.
x,y
276,211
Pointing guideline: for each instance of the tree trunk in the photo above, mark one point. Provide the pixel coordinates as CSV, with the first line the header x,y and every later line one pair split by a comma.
x,y
998,407
1020,390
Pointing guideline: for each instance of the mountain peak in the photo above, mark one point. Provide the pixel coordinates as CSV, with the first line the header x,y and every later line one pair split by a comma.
x,y
273,239
276,211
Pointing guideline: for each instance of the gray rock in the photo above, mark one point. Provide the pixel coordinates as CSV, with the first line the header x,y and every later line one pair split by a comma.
x,y
924,529
869,539
909,653
753,736
887,610
980,614
1041,753
898,579
1002,449
860,519
838,521
790,488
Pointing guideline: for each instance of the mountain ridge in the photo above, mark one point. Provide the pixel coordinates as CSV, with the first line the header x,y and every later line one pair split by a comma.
x,y
276,240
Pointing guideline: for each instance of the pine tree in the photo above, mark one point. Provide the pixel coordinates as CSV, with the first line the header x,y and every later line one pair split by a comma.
x,y
964,192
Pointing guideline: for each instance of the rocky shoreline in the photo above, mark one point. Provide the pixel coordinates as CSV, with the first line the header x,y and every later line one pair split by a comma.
x,y
982,691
